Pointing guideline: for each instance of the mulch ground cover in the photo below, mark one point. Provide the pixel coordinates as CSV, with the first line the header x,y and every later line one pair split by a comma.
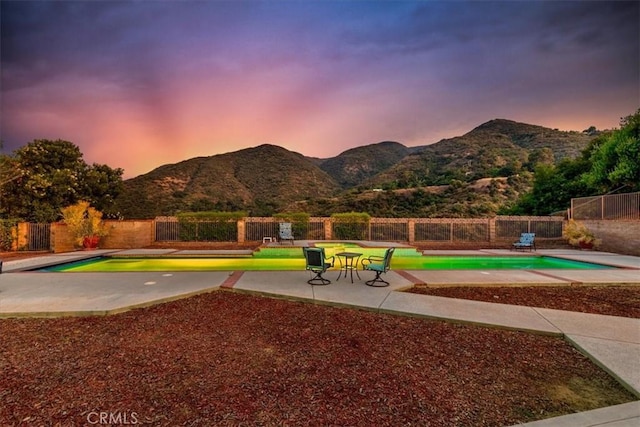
x,y
226,358
610,300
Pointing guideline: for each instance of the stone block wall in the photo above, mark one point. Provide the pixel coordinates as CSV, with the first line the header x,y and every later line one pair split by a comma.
x,y
622,237
122,235
129,234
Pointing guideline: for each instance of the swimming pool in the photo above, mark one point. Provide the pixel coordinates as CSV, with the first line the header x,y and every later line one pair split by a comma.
x,y
291,259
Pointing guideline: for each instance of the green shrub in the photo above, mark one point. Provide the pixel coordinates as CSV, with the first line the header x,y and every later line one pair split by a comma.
x,y
83,220
7,237
351,226
209,226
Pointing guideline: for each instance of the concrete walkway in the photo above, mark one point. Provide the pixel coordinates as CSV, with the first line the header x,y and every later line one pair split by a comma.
x,y
611,342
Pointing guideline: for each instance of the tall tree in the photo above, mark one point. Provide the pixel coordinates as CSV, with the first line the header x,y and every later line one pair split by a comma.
x,y
615,158
553,188
51,175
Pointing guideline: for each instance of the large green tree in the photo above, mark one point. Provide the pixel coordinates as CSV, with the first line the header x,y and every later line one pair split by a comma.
x,y
615,158
553,188
45,176
611,162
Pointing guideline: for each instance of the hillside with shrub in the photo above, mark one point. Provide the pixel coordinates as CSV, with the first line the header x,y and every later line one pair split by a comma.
x,y
480,173
500,167
259,180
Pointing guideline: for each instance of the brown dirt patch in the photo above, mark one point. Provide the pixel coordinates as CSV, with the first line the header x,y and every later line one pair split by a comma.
x,y
230,359
610,300
14,256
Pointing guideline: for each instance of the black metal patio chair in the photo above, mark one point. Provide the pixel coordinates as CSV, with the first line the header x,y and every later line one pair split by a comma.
x,y
317,263
378,265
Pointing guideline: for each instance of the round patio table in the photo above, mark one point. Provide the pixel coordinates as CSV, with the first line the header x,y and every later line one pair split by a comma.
x,y
349,264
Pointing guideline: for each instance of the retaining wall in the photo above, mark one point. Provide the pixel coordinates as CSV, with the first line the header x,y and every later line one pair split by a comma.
x,y
122,235
622,237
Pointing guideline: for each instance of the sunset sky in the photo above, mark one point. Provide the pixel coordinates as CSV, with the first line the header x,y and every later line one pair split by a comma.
x,y
138,84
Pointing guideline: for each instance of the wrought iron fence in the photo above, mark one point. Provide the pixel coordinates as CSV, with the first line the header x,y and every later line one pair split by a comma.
x,y
257,228
38,237
167,229
609,207
170,229
452,230
513,226
378,229
387,229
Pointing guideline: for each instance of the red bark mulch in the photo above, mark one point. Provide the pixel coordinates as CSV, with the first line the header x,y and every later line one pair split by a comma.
x,y
610,300
231,359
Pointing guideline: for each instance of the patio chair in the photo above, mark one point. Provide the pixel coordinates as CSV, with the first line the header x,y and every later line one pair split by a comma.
x,y
378,265
285,232
317,263
527,241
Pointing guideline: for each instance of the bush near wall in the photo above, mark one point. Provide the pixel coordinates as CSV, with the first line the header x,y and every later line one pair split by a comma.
x,y
209,226
351,226
8,233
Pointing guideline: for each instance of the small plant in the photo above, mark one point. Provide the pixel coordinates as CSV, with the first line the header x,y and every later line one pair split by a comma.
x,y
577,234
84,223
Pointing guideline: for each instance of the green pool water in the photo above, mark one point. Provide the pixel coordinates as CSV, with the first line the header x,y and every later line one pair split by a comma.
x,y
291,259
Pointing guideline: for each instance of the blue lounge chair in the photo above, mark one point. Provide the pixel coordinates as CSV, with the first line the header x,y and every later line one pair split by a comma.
x,y
527,241
317,263
285,232
379,265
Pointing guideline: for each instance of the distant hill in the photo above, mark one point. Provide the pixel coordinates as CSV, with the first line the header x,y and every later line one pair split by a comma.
x,y
496,148
259,179
268,178
359,164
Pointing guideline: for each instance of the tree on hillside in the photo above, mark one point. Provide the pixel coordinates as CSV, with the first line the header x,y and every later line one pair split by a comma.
x,y
553,188
615,158
51,175
608,163
8,169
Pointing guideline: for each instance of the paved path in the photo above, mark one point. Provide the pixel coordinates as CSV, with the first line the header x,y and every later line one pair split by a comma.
x,y
611,342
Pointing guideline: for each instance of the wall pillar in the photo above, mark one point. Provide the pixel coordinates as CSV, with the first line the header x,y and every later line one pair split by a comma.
x,y
492,229
21,239
328,230
411,226
241,230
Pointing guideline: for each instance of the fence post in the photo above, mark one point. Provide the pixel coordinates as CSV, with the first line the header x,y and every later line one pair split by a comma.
x,y
492,229
411,230
22,240
14,238
241,230
328,230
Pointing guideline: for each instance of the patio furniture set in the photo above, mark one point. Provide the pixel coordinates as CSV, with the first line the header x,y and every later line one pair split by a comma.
x,y
318,263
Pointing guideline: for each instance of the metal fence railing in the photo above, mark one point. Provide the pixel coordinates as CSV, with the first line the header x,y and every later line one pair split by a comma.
x,y
388,230
169,229
257,228
513,226
608,207
38,237
452,230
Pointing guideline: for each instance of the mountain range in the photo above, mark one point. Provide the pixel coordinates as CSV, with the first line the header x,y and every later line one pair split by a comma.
x,y
495,158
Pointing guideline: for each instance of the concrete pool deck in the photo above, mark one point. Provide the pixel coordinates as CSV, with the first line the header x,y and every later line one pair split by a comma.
x,y
611,342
